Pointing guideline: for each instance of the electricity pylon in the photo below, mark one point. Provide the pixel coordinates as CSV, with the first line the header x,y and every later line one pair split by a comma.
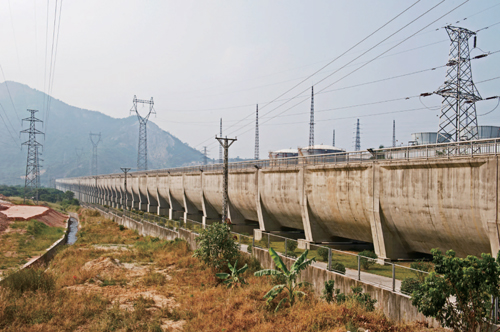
x,y
205,157
393,133
225,143
458,119
256,152
93,165
311,122
32,179
357,142
142,151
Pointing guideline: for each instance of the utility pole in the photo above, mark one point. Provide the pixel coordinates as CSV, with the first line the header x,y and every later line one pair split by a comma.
x,y
205,158
32,179
256,153
311,122
220,147
393,133
333,141
458,119
93,165
142,151
225,143
125,170
357,143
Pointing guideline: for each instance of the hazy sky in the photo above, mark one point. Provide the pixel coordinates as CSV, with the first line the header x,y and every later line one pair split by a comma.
x,y
203,60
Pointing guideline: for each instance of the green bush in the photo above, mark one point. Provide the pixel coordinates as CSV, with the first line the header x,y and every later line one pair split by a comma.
x,y
323,253
330,294
291,245
365,262
216,246
423,266
249,249
409,285
121,227
337,267
29,280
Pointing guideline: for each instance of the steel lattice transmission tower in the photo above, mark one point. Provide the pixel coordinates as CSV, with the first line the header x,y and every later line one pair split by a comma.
x,y
205,158
32,179
333,140
220,147
256,153
393,133
94,139
458,119
142,152
311,122
225,143
357,142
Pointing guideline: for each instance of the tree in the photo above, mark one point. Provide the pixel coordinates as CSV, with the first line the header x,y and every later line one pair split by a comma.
x,y
458,294
290,277
216,246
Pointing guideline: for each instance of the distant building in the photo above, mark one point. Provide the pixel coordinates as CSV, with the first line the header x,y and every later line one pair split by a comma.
x,y
485,132
277,157
283,153
319,149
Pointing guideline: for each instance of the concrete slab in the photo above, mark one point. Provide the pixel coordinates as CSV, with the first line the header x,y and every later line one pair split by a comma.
x,y
24,212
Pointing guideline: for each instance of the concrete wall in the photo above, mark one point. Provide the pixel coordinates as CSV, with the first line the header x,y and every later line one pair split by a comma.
x,y
403,207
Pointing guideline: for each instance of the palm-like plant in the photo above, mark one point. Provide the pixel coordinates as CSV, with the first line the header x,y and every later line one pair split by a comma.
x,y
290,276
234,279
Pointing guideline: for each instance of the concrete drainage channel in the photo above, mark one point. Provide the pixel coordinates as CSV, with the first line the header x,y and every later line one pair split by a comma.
x,y
69,238
72,231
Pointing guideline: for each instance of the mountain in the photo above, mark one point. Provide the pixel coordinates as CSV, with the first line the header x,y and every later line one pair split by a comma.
x,y
67,150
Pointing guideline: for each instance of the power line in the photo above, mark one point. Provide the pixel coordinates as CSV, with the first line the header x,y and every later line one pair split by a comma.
x,y
7,127
338,57
365,53
373,58
53,63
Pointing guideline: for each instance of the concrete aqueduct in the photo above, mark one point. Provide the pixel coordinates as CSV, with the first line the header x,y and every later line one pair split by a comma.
x,y
404,200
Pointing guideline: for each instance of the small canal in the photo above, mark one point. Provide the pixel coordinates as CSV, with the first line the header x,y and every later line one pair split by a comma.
x,y
73,229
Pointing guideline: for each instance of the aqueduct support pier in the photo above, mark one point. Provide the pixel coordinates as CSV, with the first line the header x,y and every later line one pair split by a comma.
x,y
404,200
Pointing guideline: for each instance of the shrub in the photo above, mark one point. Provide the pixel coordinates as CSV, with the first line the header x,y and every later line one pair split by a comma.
x,y
121,227
421,266
329,291
330,294
458,294
337,267
216,246
323,253
249,249
409,285
291,245
29,280
366,262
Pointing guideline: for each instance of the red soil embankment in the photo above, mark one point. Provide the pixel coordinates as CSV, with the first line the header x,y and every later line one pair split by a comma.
x,y
27,212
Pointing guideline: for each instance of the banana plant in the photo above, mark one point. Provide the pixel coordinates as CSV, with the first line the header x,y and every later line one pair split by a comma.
x,y
234,279
291,284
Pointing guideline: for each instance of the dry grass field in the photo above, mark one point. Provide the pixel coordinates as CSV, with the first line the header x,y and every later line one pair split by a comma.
x,y
112,279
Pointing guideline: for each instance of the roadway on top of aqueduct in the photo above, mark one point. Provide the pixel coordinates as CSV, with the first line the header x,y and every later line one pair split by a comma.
x,y
403,200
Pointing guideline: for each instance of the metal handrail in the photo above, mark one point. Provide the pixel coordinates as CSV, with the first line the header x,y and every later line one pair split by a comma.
x,y
428,151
